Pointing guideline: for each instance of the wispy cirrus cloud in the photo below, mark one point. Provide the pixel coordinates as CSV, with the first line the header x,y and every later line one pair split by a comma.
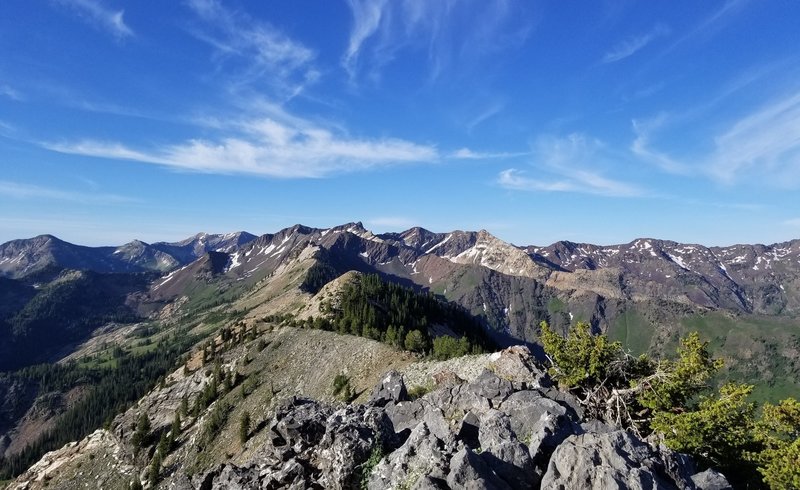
x,y
264,138
382,29
253,51
491,111
268,147
765,142
760,146
11,93
100,17
566,165
469,154
641,147
632,45
18,190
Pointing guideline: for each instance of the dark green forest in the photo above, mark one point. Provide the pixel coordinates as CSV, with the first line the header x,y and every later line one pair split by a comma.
x,y
400,316
64,311
111,388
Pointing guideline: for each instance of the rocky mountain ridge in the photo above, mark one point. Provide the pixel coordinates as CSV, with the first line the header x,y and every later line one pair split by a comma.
x,y
743,278
20,258
490,421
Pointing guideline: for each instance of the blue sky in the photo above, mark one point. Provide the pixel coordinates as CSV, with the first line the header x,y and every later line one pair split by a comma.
x,y
538,121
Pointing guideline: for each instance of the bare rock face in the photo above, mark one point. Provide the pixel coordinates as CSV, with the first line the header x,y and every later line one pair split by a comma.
x,y
499,431
311,445
502,429
618,460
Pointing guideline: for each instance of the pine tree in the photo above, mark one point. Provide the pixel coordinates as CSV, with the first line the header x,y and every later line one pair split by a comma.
x,y
142,431
244,427
155,469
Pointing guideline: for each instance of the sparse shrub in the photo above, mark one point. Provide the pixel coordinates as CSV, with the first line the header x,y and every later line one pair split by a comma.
x,y
415,341
446,347
375,457
341,388
418,391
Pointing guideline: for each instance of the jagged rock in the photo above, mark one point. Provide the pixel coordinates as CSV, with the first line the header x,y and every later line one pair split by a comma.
x,y
298,424
469,471
428,483
615,460
525,408
351,434
711,480
596,426
391,389
469,430
547,433
490,386
310,446
518,365
503,453
423,454
404,415
438,425
458,400
567,400
447,378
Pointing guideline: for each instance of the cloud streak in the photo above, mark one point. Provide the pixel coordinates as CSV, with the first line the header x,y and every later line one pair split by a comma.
x,y
270,148
566,166
631,46
766,141
11,93
469,154
449,33
100,17
255,52
760,146
17,190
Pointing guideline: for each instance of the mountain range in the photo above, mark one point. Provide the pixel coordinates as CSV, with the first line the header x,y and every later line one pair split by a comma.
x,y
644,293
95,315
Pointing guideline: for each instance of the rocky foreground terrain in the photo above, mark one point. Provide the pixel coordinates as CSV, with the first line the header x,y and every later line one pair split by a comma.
x,y
491,421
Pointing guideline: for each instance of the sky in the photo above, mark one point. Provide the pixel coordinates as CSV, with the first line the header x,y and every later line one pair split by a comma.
x,y
595,122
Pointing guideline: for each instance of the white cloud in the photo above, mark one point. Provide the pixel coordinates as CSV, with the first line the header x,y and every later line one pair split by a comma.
x,y
468,154
762,146
252,51
101,17
631,46
569,164
641,147
16,190
765,142
271,148
11,93
450,33
366,19
488,113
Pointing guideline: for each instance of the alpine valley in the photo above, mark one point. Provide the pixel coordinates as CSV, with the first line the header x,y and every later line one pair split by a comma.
x,y
295,332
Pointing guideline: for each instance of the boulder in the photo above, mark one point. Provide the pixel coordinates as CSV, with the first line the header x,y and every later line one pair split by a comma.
x,y
518,365
469,471
711,480
615,460
391,389
422,455
508,458
525,408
